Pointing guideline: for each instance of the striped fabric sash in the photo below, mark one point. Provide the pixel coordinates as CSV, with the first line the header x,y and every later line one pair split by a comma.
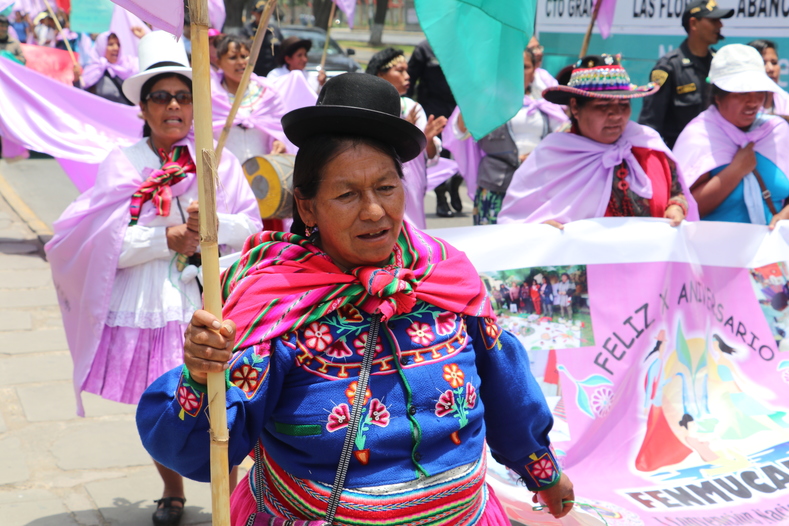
x,y
456,502
283,282
157,187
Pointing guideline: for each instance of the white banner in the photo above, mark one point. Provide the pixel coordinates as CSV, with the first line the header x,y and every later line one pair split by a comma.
x,y
752,18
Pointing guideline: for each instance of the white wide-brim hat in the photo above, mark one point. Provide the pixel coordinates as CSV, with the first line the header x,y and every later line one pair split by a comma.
x,y
738,68
159,52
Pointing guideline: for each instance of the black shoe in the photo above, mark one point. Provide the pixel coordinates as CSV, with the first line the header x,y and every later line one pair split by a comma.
x,y
166,514
454,194
443,210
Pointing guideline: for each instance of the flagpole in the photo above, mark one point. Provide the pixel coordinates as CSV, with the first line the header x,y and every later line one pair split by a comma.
x,y
209,247
588,35
260,34
65,37
328,31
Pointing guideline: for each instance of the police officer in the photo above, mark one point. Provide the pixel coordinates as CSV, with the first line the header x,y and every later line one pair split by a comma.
x,y
268,51
682,72
432,92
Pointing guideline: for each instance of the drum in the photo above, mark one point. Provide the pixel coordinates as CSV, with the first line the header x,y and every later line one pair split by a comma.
x,y
271,179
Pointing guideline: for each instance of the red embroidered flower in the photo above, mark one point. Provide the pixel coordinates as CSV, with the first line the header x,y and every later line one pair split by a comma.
x,y
421,333
350,313
454,375
445,323
246,378
339,417
471,396
379,414
350,393
317,336
361,341
445,403
491,328
338,349
542,469
187,399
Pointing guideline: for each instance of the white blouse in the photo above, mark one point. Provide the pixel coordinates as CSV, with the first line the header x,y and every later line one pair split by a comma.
x,y
148,292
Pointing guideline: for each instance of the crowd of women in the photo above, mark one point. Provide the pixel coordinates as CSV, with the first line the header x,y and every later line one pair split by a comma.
x,y
354,302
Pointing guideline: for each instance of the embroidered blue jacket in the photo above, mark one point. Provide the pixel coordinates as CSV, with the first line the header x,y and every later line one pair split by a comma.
x,y
442,384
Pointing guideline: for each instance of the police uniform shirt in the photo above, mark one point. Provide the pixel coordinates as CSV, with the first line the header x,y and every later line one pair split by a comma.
x,y
268,50
428,84
684,92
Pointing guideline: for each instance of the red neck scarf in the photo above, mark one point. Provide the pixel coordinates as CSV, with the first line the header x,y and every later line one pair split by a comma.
x,y
157,187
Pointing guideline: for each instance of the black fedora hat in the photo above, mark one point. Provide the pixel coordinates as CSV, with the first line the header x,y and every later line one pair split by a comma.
x,y
357,104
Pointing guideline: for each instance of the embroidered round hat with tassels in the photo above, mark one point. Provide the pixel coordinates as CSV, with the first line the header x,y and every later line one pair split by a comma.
x,y
599,77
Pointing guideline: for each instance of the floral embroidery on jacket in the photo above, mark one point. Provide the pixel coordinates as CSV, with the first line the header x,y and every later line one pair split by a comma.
x,y
360,342
458,400
318,336
542,469
190,400
421,333
490,332
445,323
375,414
338,349
249,376
350,314
350,393
339,418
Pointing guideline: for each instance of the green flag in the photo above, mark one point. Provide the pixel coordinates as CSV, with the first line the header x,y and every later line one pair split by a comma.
x,y
479,44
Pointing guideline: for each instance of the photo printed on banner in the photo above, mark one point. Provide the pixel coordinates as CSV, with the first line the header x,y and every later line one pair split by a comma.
x,y
772,292
545,307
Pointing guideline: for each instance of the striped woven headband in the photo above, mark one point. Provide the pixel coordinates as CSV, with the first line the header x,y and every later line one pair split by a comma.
x,y
600,78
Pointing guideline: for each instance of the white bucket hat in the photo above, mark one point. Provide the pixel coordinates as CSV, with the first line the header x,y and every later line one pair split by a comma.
x,y
739,68
159,52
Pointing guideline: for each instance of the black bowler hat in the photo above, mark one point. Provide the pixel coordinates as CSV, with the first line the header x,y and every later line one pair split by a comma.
x,y
357,104
704,9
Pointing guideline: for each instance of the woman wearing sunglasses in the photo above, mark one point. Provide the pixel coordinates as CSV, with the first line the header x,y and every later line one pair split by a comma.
x,y
121,252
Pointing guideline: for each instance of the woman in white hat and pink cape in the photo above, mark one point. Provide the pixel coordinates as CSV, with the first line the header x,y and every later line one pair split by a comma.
x,y
119,250
734,156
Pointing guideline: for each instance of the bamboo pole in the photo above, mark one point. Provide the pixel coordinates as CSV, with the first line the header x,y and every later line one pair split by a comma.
x,y
209,247
328,32
242,85
588,35
65,37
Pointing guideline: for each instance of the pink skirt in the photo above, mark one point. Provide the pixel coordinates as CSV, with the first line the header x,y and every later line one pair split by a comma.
x,y
129,359
242,505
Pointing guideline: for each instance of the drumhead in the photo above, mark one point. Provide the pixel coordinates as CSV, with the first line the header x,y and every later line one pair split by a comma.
x,y
271,180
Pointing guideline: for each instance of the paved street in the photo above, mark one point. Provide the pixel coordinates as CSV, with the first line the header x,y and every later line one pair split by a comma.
x,y
57,469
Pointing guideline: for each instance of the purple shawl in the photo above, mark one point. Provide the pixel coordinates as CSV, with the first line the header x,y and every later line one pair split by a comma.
x,y
123,68
281,95
468,154
547,79
710,141
781,103
569,177
84,251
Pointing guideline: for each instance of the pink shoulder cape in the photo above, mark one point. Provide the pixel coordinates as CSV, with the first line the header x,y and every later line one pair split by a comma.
x,y
710,141
124,68
568,177
281,95
781,103
84,251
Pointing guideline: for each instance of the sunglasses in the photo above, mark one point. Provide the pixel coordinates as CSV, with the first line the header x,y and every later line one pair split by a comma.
x,y
164,97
